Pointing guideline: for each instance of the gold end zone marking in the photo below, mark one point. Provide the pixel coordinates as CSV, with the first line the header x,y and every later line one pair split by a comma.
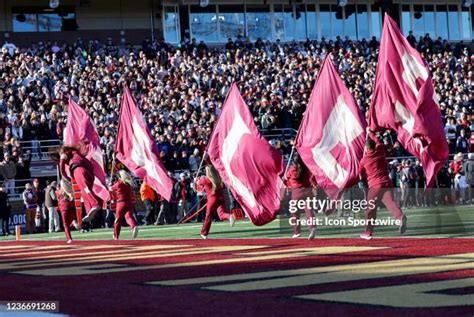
x,y
261,275
25,249
354,272
74,269
418,295
7,247
72,253
94,258
65,249
316,251
61,247
255,257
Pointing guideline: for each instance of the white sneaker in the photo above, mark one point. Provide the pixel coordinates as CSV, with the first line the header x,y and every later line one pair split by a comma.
x,y
296,235
114,237
366,236
312,234
204,237
69,241
232,220
135,233
75,225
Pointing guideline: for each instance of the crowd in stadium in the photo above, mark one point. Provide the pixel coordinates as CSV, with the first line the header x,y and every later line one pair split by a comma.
x,y
180,91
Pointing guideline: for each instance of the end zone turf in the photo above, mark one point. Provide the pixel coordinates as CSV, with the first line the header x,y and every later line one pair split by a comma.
x,y
327,277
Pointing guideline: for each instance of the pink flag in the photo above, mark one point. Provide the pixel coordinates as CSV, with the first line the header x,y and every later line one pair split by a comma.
x,y
331,136
247,163
137,150
404,100
80,127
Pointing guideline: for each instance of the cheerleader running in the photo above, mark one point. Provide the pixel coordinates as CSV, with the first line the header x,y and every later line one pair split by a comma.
x,y
81,169
66,207
123,192
213,186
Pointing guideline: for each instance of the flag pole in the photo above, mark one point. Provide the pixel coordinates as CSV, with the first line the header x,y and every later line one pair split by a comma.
x,y
200,164
193,215
289,160
113,165
190,209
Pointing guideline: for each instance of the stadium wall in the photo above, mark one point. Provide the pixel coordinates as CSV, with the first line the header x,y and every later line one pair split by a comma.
x,y
120,19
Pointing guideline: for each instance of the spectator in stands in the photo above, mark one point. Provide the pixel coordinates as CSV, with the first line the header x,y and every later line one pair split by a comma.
x,y
42,216
445,182
184,197
5,209
23,173
194,160
420,184
31,204
411,39
408,178
7,144
456,165
180,90
460,186
462,145
8,169
51,204
148,197
468,169
168,210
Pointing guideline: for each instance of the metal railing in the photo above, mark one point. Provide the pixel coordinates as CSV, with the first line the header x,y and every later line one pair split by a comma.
x,y
17,190
279,133
40,148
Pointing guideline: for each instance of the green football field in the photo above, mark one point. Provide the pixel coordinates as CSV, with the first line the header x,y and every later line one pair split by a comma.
x,y
441,221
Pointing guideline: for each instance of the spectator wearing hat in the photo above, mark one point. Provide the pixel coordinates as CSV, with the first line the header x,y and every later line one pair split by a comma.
x,y
31,203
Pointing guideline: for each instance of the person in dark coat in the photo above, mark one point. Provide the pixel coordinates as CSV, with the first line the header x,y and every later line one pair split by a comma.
x,y
5,209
